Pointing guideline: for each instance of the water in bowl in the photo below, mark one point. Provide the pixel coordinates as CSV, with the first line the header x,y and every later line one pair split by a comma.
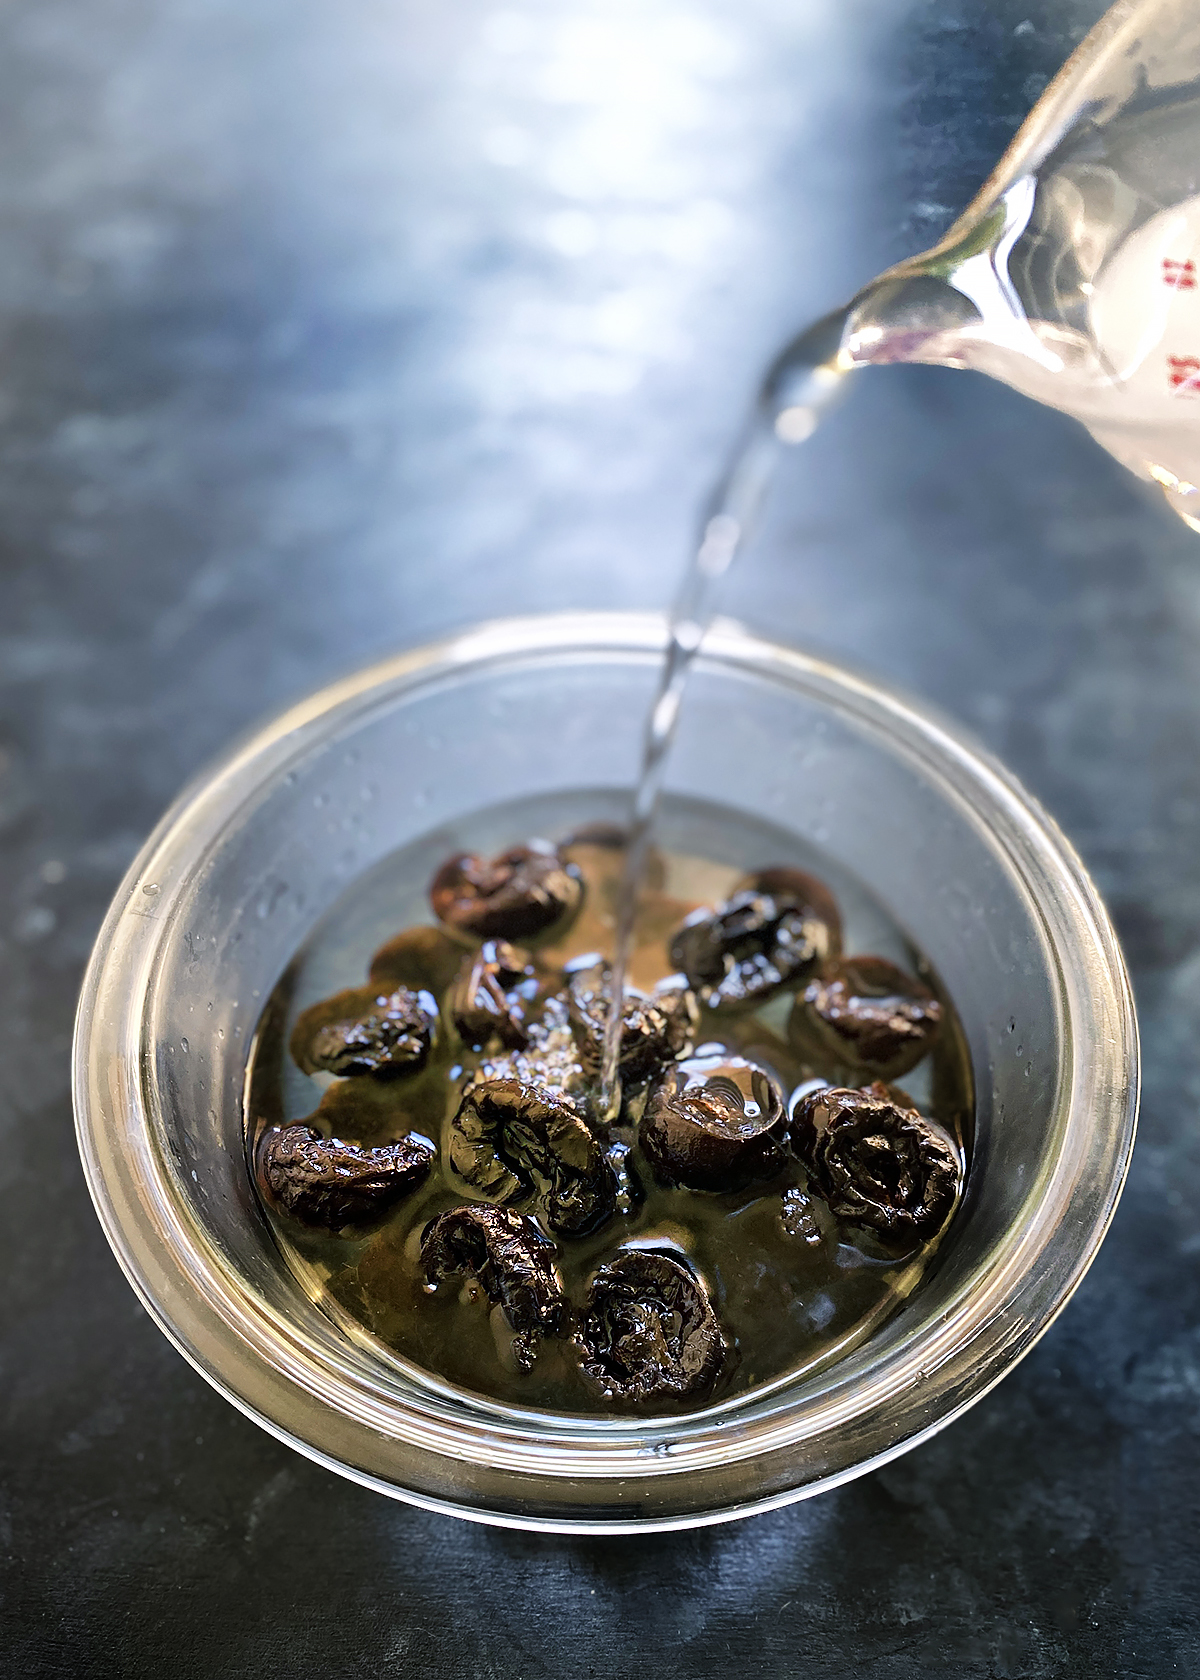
x,y
789,1294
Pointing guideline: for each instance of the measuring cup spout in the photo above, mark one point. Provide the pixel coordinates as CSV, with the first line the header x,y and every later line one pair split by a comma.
x,y
1074,276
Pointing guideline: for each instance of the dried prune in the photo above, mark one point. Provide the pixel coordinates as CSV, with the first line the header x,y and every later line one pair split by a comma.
x,y
491,997
514,1263
867,1015
506,1133
364,1031
777,928
655,1027
522,894
715,1123
649,1332
425,959
876,1162
323,1181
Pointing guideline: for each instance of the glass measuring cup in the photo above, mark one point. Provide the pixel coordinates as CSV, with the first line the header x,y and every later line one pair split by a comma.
x,y
1074,276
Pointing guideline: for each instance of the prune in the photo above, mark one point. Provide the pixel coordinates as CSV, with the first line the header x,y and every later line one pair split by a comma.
x,y
867,1015
876,1162
363,1031
514,1263
649,1331
492,995
776,929
506,1132
655,1027
523,893
323,1181
425,959
715,1123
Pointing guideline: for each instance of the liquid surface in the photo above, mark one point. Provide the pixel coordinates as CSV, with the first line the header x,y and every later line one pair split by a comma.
x,y
786,1299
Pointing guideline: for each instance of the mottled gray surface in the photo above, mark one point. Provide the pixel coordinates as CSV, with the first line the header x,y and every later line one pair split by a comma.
x,y
326,327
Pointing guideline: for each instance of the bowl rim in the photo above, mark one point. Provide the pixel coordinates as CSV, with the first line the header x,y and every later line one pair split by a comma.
x,y
256,1359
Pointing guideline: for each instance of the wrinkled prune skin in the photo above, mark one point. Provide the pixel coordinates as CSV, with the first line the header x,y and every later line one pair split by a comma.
x,y
492,996
521,895
364,1031
323,1181
868,1015
715,1123
505,1132
649,1332
514,1263
876,1162
655,1027
425,959
777,928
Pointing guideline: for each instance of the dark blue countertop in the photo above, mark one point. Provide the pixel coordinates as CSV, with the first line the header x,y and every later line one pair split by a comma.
x,y
328,327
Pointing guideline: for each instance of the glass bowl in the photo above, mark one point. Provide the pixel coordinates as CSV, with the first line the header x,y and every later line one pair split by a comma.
x,y
250,857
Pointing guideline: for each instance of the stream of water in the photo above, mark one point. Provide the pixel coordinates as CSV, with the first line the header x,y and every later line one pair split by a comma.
x,y
797,389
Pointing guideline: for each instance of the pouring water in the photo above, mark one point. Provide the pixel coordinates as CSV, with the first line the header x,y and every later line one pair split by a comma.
x,y
1074,276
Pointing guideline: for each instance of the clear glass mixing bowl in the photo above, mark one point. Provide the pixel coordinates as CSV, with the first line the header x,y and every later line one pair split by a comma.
x,y
251,855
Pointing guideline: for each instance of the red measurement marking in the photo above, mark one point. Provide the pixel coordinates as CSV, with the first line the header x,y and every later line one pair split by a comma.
x,y
1180,276
1183,374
